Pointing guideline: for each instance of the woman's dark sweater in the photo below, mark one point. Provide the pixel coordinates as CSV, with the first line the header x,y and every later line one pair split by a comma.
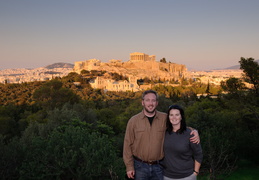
x,y
180,154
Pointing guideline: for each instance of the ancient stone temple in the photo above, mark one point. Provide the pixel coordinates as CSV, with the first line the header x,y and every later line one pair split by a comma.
x,y
136,56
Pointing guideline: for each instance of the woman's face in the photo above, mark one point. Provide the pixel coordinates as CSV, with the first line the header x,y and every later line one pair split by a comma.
x,y
175,117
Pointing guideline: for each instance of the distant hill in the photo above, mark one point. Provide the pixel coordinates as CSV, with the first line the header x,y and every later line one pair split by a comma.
x,y
233,67
238,66
59,65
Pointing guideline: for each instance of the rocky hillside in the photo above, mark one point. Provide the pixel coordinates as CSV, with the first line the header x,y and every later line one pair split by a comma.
x,y
137,69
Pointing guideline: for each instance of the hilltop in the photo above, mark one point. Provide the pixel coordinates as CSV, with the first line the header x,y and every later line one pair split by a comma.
x,y
139,66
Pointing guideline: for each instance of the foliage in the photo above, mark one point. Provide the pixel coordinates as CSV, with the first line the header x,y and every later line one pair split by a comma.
x,y
218,144
73,77
10,124
11,157
218,152
69,152
246,171
117,77
52,94
251,72
18,94
59,129
51,151
163,60
233,86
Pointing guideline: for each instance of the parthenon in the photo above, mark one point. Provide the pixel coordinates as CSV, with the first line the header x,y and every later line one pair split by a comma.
x,y
137,56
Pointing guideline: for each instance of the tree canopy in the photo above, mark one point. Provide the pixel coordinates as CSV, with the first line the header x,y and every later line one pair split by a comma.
x,y
251,72
58,130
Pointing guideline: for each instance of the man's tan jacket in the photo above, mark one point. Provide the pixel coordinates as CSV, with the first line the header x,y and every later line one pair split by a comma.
x,y
143,140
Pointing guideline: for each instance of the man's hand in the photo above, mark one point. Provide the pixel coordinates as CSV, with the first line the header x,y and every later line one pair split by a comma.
x,y
196,137
131,174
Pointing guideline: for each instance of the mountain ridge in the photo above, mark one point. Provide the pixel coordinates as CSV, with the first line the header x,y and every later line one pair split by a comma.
x,y
59,65
238,66
235,67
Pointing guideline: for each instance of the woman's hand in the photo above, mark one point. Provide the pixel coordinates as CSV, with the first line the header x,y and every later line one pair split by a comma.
x,y
196,137
196,174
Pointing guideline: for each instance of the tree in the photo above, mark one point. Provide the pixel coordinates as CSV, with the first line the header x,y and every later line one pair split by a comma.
x,y
208,89
218,144
69,153
11,158
85,72
232,85
7,124
251,72
163,60
52,94
108,116
73,77
218,151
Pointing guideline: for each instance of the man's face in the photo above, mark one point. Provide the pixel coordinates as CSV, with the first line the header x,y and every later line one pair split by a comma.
x,y
149,103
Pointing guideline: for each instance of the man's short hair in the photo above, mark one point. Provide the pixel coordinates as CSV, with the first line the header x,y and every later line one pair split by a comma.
x,y
149,91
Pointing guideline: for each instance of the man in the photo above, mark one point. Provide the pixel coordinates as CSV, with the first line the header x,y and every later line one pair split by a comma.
x,y
144,138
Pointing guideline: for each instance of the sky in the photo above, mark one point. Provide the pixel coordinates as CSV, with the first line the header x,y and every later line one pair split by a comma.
x,y
201,34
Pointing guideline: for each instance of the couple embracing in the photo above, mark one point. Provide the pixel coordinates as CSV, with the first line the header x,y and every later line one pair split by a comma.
x,y
159,145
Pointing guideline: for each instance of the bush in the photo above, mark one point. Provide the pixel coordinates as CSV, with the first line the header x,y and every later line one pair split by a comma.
x,y
67,153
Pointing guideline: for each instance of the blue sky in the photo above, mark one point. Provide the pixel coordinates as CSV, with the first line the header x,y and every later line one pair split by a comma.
x,y
202,34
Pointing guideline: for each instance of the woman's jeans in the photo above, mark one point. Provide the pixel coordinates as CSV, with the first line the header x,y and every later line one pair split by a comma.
x,y
144,171
191,177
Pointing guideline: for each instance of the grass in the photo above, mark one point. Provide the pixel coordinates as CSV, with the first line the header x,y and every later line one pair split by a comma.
x,y
246,171
245,174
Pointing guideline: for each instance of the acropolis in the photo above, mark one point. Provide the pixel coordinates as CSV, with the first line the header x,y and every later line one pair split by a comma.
x,y
139,66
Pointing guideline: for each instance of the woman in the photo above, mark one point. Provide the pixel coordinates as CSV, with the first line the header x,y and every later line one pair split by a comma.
x,y
182,158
